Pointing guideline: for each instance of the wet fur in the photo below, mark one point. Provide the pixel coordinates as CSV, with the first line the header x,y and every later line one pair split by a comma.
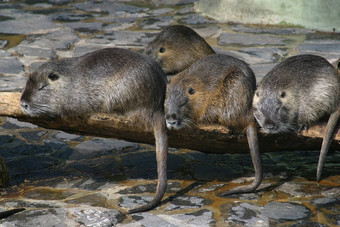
x,y
182,45
108,80
312,91
223,91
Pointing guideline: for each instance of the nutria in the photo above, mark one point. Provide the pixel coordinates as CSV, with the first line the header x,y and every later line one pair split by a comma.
x,y
177,47
297,93
107,80
216,89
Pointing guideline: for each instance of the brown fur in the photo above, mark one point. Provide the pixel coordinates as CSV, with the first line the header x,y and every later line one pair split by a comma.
x,y
182,47
216,89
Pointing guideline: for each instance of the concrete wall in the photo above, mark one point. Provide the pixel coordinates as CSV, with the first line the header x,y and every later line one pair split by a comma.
x,y
316,14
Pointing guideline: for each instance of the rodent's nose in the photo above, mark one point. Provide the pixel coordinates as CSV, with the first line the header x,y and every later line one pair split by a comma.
x,y
171,119
24,105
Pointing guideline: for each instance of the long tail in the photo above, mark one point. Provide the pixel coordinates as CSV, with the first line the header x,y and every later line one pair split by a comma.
x,y
327,139
256,159
161,138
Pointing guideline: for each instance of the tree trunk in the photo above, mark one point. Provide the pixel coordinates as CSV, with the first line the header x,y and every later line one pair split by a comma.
x,y
208,139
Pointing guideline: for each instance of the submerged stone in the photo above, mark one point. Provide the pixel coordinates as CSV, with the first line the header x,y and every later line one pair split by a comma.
x,y
249,39
285,211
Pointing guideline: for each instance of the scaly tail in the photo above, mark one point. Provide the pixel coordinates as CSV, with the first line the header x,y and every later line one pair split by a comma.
x,y
161,138
327,139
256,159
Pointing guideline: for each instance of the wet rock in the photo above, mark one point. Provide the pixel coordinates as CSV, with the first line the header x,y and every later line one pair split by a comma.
x,y
25,165
41,217
69,16
159,12
260,70
3,43
123,38
246,214
249,39
95,199
172,187
117,24
4,54
85,27
264,55
12,123
98,168
27,24
34,136
285,211
59,2
98,147
130,202
80,50
10,65
12,83
67,136
322,202
273,30
40,52
317,46
15,203
196,19
47,194
108,7
98,217
198,218
157,23
187,202
294,189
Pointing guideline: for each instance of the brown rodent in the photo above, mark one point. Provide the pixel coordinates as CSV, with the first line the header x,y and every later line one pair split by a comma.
x,y
297,93
216,89
177,47
108,80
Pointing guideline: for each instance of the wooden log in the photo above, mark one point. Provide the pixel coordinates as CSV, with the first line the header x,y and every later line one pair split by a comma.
x,y
208,139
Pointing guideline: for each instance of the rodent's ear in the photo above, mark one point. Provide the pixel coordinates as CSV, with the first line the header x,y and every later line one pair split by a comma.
x,y
53,76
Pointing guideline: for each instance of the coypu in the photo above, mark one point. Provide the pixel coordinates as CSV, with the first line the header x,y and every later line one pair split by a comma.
x,y
295,94
177,47
107,80
216,89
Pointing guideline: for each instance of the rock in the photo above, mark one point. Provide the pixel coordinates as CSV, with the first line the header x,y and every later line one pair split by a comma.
x,y
69,16
246,214
59,2
98,217
260,70
271,30
264,54
293,189
130,202
10,65
85,27
196,19
67,136
46,53
187,202
123,38
317,46
93,199
26,24
249,39
12,83
3,43
172,187
162,11
157,22
108,7
285,211
13,123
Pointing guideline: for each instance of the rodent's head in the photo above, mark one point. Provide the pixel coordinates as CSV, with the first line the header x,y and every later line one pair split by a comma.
x,y
273,111
45,90
181,102
177,47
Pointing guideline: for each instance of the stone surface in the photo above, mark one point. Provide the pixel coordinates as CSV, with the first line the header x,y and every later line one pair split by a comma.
x,y
249,39
10,65
62,179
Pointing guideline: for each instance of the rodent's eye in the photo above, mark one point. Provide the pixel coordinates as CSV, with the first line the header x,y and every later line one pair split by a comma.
x,y
283,94
339,65
257,94
162,50
191,91
53,76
